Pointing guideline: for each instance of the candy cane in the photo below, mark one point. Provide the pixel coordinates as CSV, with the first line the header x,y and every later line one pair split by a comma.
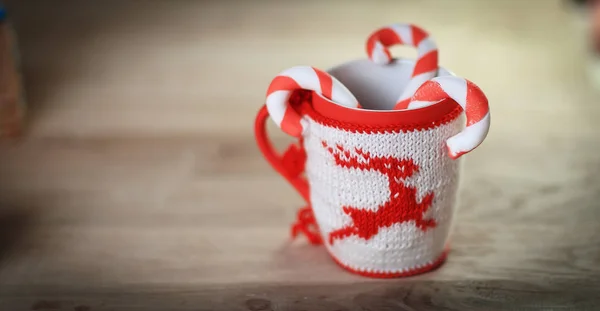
x,y
307,78
406,34
473,101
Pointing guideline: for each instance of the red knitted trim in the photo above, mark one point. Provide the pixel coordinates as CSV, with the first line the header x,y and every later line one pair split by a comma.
x,y
388,275
307,225
403,123
370,129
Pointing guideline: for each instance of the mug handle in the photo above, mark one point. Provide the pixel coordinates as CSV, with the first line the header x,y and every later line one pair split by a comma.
x,y
290,165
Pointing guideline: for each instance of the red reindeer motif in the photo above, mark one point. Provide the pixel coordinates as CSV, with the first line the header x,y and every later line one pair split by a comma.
x,y
402,205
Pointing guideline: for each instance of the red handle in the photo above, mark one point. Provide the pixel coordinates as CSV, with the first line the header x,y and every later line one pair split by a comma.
x,y
291,164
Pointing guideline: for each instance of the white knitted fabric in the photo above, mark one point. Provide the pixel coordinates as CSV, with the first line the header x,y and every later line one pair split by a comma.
x,y
402,246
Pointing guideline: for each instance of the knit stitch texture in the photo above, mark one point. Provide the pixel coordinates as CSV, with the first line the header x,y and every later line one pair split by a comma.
x,y
383,199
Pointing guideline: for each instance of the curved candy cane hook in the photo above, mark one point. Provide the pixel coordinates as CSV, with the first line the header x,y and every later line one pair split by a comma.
x,y
473,101
307,78
405,34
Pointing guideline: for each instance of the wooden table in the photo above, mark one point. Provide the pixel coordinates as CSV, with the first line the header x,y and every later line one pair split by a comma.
x,y
138,185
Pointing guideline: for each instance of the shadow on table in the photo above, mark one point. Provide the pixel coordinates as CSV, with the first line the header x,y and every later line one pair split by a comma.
x,y
15,227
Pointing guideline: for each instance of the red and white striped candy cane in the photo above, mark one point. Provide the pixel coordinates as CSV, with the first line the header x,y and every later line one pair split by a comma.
x,y
307,78
426,65
473,101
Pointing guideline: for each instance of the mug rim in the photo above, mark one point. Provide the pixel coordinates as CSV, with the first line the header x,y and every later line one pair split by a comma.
x,y
322,111
443,70
321,107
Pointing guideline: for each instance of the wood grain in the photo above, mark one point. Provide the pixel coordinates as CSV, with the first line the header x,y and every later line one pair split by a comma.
x,y
138,185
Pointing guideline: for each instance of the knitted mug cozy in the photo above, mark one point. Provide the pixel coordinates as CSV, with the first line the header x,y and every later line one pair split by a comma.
x,y
379,184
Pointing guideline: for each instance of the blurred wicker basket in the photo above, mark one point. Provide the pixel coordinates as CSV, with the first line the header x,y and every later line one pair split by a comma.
x,y
12,103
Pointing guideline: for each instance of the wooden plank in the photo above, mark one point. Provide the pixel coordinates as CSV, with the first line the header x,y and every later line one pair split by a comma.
x,y
419,295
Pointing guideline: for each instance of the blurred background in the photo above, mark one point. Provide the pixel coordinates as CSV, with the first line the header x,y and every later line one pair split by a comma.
x,y
136,166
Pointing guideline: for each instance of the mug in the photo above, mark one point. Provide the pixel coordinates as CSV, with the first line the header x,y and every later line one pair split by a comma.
x,y
380,184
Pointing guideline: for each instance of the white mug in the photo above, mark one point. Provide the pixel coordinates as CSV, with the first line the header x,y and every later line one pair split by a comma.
x,y
379,184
